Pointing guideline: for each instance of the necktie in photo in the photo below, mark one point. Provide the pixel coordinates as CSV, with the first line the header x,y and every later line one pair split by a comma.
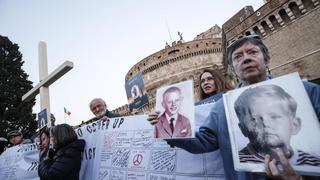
x,y
171,124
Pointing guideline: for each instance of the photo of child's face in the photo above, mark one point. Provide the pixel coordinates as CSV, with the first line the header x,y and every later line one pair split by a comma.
x,y
269,123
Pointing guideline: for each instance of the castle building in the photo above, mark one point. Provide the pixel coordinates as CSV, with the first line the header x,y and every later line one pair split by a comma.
x,y
178,62
289,28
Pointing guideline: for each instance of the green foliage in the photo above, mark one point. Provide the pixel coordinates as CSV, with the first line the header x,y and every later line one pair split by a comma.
x,y
14,114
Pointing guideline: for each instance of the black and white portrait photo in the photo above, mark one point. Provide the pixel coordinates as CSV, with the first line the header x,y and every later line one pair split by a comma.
x,y
271,116
175,102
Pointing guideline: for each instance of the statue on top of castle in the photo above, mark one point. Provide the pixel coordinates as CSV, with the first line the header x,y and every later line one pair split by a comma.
x,y
181,38
167,45
216,29
180,35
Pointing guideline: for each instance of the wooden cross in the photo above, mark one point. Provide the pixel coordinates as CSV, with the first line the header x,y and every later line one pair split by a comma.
x,y
46,80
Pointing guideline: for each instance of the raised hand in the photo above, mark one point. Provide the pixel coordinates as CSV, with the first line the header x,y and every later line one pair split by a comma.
x,y
286,172
153,117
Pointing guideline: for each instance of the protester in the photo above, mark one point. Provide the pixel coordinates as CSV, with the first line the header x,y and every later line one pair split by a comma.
x,y
16,137
249,58
171,123
212,83
99,108
65,161
212,86
44,143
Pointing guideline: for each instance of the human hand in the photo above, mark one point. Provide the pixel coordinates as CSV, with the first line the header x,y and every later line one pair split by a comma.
x,y
153,117
286,172
104,118
136,111
39,146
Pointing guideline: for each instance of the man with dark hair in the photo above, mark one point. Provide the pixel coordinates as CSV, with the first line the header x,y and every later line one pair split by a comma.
x,y
249,58
99,108
171,122
16,137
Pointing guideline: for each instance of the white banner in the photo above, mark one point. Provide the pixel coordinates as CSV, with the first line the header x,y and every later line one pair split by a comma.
x,y
128,151
20,162
123,149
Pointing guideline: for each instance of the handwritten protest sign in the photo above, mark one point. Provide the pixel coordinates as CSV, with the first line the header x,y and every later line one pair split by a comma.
x,y
128,151
123,148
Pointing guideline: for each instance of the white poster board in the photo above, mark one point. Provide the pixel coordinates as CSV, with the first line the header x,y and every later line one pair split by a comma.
x,y
123,149
129,151
176,104
271,127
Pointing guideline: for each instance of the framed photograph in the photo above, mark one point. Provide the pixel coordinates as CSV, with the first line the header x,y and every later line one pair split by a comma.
x,y
42,118
176,104
136,92
272,115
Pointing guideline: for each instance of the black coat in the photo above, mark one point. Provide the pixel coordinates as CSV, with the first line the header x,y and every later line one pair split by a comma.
x,y
108,113
111,115
65,164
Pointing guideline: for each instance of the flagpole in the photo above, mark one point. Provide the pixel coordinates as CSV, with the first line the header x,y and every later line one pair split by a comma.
x,y
66,113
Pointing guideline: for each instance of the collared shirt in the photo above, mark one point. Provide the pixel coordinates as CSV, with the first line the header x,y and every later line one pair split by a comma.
x,y
175,117
299,157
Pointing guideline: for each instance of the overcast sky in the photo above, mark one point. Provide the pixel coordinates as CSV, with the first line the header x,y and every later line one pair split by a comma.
x,y
103,39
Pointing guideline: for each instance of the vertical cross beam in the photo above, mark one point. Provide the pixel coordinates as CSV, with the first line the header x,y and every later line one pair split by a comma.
x,y
46,80
43,73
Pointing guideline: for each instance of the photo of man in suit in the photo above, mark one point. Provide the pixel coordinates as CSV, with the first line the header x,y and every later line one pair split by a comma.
x,y
172,124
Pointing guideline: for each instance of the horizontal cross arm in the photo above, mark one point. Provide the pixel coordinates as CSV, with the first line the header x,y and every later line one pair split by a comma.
x,y
46,82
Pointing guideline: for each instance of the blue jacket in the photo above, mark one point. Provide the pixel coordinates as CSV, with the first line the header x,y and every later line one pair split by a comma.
x,y
213,134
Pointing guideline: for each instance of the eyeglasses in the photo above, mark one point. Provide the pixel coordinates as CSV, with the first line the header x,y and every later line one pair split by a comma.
x,y
244,38
234,45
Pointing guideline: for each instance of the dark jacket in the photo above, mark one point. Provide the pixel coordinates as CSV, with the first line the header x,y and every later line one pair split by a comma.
x,y
65,164
111,115
108,113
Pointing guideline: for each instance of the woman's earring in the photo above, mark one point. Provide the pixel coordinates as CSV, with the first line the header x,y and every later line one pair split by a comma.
x,y
269,71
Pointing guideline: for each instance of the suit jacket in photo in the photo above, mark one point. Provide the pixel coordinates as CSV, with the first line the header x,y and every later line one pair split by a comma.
x,y
182,127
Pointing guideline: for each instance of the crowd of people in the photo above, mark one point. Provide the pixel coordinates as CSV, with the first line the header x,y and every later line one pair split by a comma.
x,y
60,150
